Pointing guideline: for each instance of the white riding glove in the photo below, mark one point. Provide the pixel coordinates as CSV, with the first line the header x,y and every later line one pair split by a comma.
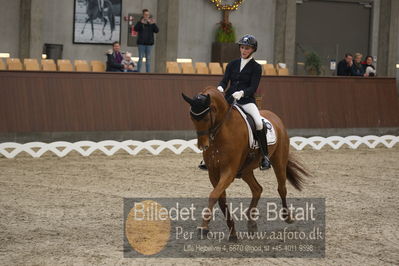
x,y
220,88
238,95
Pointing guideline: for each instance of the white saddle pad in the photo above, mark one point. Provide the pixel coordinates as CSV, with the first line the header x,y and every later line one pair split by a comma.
x,y
271,133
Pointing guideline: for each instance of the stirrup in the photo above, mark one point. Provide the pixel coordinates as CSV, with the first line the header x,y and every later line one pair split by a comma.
x,y
264,164
202,166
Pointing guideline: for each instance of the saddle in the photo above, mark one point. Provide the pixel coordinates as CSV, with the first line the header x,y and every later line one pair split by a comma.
x,y
253,143
250,121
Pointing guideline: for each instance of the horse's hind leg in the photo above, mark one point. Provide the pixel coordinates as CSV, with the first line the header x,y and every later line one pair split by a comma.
x,y
92,30
105,24
256,190
279,162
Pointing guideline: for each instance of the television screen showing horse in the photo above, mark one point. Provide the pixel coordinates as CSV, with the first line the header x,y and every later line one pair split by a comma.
x,y
97,21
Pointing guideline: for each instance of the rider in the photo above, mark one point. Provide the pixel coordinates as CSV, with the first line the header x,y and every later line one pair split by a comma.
x,y
101,7
244,75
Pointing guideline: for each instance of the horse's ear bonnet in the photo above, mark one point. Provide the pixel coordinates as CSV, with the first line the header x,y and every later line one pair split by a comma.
x,y
199,105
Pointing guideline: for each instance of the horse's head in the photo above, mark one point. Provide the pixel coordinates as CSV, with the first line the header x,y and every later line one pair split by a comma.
x,y
207,112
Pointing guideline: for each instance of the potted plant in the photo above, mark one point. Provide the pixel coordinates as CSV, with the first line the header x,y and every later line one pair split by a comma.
x,y
225,33
224,48
313,64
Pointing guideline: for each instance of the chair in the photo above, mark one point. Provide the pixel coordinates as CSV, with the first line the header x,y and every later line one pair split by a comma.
x,y
269,70
282,71
64,65
201,68
82,66
215,68
14,64
173,69
187,68
2,65
200,64
224,66
79,62
171,63
97,66
49,65
31,64
9,60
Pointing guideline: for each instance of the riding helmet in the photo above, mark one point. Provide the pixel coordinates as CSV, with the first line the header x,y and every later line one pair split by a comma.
x,y
249,40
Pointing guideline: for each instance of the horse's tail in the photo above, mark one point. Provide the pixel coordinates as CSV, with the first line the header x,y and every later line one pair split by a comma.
x,y
296,172
111,15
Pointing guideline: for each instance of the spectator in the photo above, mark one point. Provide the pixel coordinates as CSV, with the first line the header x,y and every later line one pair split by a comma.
x,y
357,67
369,69
128,63
345,66
114,59
145,29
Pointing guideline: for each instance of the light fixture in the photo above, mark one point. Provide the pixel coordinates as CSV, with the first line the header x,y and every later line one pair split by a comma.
x,y
44,56
4,55
261,62
397,66
184,60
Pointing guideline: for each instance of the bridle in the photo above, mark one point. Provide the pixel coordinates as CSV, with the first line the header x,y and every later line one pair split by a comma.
x,y
214,129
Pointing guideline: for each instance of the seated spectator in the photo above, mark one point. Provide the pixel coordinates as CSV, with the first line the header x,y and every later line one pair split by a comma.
x,y
114,59
128,63
345,65
357,67
369,69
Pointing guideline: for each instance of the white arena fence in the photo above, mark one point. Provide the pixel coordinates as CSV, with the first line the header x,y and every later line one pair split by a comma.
x,y
155,147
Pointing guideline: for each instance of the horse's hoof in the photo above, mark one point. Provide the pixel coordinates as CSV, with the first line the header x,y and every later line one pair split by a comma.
x,y
289,220
233,238
252,226
82,32
202,232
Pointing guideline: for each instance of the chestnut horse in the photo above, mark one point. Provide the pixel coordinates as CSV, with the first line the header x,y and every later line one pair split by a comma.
x,y
223,138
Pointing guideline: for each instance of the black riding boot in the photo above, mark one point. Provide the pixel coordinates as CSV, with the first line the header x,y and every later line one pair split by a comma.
x,y
202,166
262,140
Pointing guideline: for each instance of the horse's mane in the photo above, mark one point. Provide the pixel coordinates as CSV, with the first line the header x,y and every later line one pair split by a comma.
x,y
216,95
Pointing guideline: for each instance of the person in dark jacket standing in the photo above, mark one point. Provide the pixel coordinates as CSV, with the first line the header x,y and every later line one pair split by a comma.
x,y
344,67
145,28
244,75
114,59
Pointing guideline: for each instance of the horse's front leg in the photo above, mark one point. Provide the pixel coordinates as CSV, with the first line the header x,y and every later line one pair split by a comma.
x,y
83,30
229,219
226,178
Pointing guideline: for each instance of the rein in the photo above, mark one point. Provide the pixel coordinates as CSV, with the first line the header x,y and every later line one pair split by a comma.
x,y
214,129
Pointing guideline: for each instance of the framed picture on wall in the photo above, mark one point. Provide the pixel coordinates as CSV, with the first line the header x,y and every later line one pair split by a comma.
x,y
97,21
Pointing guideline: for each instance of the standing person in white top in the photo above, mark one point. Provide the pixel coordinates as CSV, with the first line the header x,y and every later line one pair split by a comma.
x,y
244,75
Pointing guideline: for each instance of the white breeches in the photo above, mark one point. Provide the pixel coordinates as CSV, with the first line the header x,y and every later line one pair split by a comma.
x,y
251,109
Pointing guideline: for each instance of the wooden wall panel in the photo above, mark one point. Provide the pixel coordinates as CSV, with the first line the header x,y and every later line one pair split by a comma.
x,y
59,102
